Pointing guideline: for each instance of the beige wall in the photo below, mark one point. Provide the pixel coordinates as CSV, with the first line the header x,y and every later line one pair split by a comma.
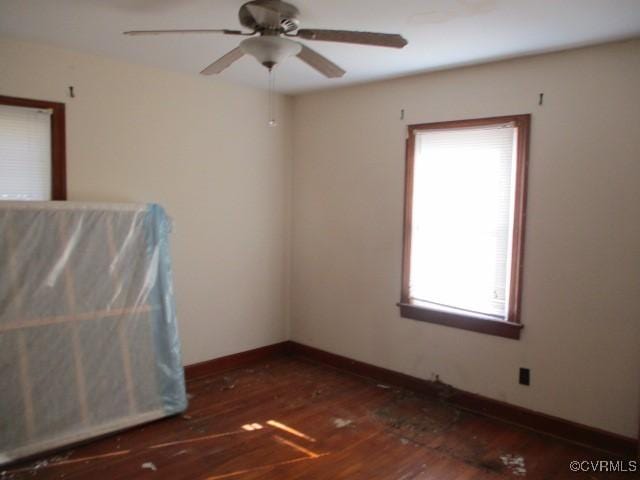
x,y
202,149
581,302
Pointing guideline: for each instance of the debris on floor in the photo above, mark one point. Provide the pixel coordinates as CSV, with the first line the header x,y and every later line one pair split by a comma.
x,y
59,458
229,384
149,466
382,385
421,420
515,464
39,465
341,422
415,414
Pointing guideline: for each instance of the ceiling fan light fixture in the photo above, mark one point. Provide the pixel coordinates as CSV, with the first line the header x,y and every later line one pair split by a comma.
x,y
270,50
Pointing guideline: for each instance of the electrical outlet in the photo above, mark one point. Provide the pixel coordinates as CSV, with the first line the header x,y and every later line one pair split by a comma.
x,y
525,376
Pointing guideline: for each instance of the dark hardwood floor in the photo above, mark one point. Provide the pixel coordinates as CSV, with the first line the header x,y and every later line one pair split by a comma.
x,y
291,419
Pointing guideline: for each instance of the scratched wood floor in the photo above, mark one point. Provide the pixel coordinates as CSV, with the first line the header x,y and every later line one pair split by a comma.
x,y
291,419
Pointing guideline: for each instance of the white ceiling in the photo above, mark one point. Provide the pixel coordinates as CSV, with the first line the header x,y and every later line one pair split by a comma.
x,y
441,33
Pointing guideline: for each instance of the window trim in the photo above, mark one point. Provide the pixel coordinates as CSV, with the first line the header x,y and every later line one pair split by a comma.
x,y
58,140
512,327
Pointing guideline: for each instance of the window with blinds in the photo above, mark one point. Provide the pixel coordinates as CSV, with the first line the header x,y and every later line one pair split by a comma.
x,y
463,231
25,153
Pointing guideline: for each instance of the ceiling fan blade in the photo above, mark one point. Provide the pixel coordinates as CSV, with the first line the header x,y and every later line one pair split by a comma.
x,y
320,63
161,32
264,16
223,62
347,36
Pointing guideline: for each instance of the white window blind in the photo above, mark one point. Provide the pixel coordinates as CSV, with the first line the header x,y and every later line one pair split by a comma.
x,y
463,199
25,153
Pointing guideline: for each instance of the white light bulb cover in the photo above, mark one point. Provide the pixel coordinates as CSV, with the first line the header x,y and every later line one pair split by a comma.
x,y
270,51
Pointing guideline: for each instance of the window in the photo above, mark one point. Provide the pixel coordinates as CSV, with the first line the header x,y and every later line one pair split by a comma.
x,y
464,223
32,150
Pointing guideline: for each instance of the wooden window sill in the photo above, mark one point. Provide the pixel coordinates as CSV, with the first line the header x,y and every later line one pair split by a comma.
x,y
463,321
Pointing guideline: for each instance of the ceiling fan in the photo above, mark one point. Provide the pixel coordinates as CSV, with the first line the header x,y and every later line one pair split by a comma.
x,y
276,23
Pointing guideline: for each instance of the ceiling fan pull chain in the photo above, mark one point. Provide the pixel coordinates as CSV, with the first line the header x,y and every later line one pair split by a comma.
x,y
272,107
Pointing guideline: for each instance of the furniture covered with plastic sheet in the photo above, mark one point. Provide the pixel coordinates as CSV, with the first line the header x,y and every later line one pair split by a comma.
x,y
88,334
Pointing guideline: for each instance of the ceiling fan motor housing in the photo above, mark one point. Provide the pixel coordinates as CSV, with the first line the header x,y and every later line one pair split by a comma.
x,y
283,17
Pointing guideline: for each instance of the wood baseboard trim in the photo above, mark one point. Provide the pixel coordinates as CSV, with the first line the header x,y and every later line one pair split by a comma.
x,y
538,422
236,360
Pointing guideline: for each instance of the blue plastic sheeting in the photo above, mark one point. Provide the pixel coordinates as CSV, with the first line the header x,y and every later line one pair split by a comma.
x,y
88,333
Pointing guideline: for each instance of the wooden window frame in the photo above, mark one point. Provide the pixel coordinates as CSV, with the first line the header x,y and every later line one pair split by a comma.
x,y
58,140
511,327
